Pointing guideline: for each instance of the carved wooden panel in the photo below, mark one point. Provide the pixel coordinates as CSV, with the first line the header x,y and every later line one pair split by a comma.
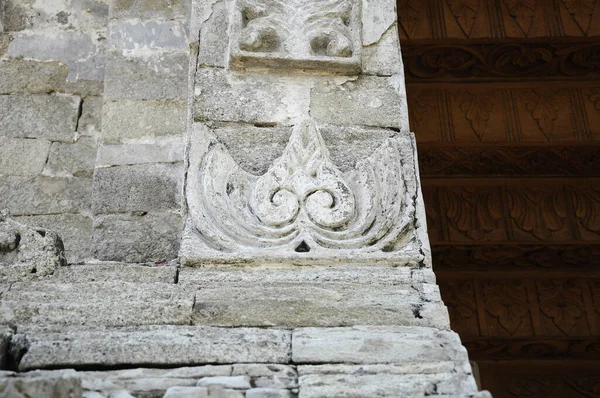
x,y
473,19
474,114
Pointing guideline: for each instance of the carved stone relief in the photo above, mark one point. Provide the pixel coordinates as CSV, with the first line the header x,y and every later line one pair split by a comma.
x,y
303,207
297,34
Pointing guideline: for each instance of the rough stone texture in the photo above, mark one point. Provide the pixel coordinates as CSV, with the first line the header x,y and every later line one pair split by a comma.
x,y
157,345
147,9
366,101
135,121
104,303
214,18
137,237
269,393
41,384
232,382
156,77
14,150
164,150
5,337
27,252
201,392
52,117
76,159
45,195
109,272
152,187
376,344
74,229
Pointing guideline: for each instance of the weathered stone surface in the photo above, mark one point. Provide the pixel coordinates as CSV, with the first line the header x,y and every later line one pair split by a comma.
x,y
5,336
23,157
202,392
28,76
148,9
41,384
383,58
246,97
164,150
268,375
157,76
157,346
90,122
232,382
112,303
27,252
209,28
269,393
384,385
76,159
376,344
148,187
53,117
395,369
366,101
310,304
108,272
74,229
141,237
133,34
45,195
141,121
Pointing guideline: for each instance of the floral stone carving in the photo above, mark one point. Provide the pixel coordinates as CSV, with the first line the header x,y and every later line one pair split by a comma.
x,y
303,208
297,34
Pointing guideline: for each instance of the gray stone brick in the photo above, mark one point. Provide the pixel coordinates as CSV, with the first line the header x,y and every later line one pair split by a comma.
x,y
45,195
137,238
75,231
23,157
157,75
366,101
133,34
148,187
128,121
167,150
76,159
53,117
90,122
149,9
213,40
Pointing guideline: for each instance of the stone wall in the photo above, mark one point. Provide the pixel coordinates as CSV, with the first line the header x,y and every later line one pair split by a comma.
x,y
52,68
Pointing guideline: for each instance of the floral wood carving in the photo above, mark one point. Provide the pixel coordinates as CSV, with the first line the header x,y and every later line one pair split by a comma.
x,y
473,213
587,386
562,302
539,212
302,34
303,204
408,16
464,11
532,387
587,207
507,302
522,12
581,12
459,297
477,109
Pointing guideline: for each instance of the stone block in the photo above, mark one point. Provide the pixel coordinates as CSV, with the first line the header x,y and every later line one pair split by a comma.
x,y
250,97
363,101
147,187
382,385
29,76
23,157
269,393
383,58
72,160
164,150
202,392
107,272
114,303
74,229
209,22
90,122
157,346
232,382
156,76
395,369
140,237
325,304
53,117
149,9
45,195
376,344
42,384
131,121
268,376
133,35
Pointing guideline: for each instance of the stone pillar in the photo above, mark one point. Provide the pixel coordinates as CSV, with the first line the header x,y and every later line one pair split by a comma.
x,y
302,188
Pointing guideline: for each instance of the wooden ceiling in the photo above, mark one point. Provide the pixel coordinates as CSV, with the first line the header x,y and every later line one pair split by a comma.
x,y
504,98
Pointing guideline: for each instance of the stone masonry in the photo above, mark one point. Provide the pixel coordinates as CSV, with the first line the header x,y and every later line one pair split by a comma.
x,y
236,187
